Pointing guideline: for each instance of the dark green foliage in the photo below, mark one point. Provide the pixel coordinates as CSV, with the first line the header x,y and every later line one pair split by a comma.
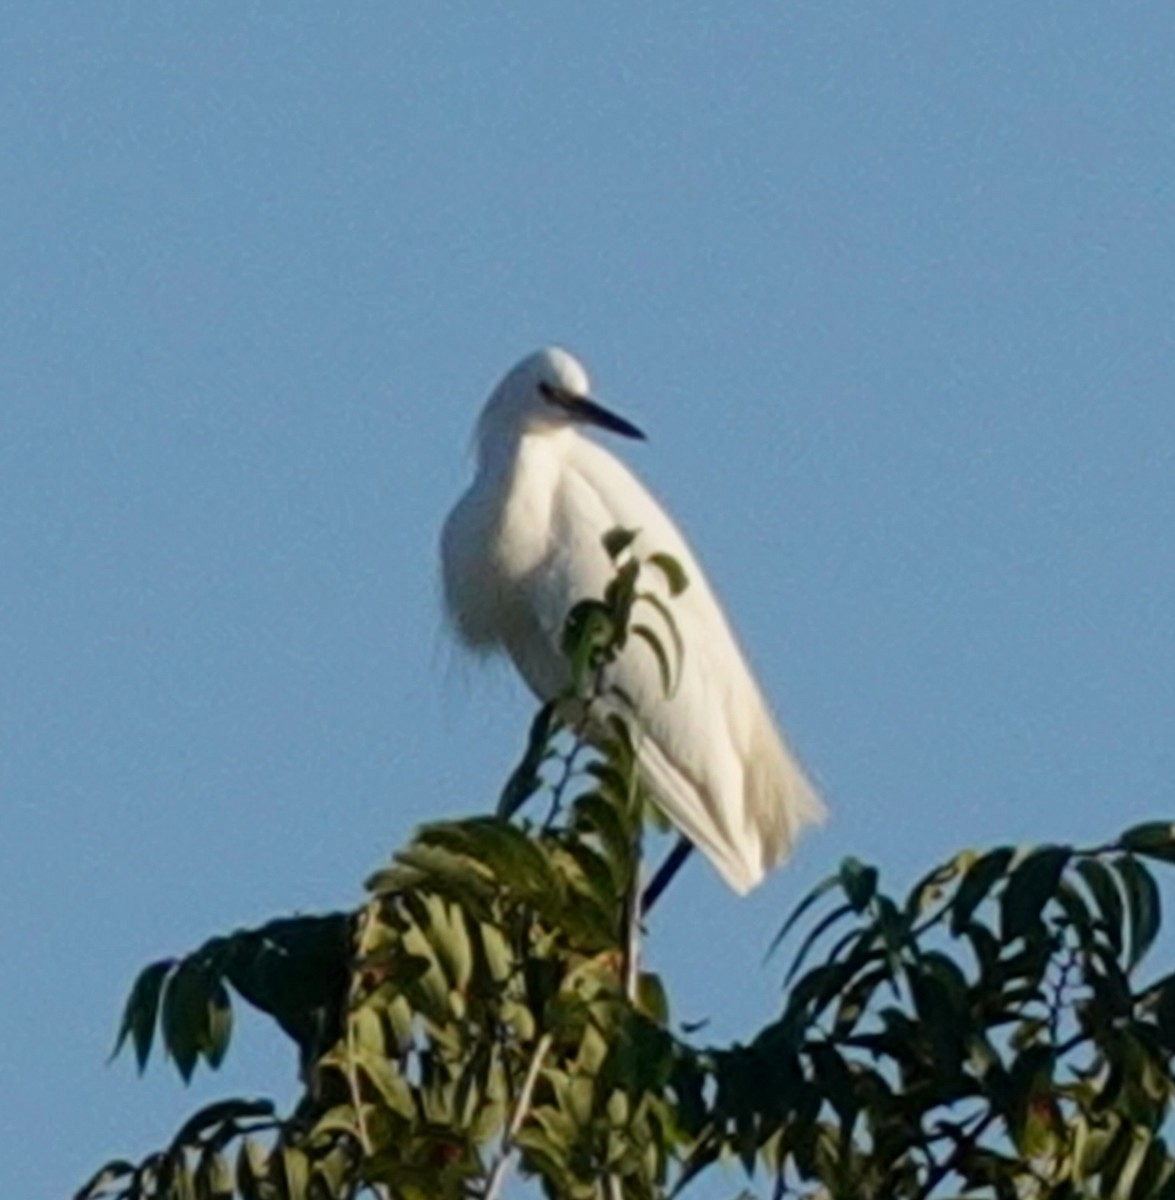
x,y
297,970
984,1035
989,1033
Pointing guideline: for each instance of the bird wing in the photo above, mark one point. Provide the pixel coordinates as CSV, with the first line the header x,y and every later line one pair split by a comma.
x,y
710,751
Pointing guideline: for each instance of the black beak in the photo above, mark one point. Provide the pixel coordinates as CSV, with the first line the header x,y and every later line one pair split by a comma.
x,y
585,409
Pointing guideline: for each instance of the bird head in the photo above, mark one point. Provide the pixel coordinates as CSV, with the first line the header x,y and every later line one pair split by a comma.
x,y
546,392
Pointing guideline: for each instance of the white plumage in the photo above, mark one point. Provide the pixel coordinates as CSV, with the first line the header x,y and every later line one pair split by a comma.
x,y
523,545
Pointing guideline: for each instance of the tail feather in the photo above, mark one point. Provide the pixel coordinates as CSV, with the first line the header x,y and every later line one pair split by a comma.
x,y
746,835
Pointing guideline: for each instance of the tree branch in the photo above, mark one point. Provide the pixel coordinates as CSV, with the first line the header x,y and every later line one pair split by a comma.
x,y
521,1109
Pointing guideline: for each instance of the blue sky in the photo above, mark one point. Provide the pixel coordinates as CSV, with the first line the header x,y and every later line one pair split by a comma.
x,y
891,288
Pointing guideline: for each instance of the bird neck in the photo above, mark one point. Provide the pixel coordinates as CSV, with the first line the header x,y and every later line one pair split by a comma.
x,y
499,450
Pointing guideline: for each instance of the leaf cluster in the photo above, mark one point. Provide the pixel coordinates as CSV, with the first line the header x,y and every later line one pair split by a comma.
x,y
485,1013
485,1006
989,1033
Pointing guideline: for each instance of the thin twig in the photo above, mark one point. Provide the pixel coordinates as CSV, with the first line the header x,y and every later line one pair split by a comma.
x,y
964,1142
631,962
1057,1001
521,1109
561,784
632,936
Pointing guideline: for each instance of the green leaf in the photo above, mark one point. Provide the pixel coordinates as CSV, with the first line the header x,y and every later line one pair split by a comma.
x,y
1030,887
930,888
676,578
621,731
219,1113
1161,995
832,1075
854,997
220,1025
214,1177
593,813
588,630
808,997
142,1011
1076,908
894,927
654,643
1155,839
392,1087
1103,887
455,875
179,1180
99,1183
977,883
185,1015
670,624
821,889
1127,1155
296,1169
1092,1143
619,597
858,882
821,927
1142,902
1029,1079
252,1170
453,943
651,998
617,540
525,779
333,1175
515,860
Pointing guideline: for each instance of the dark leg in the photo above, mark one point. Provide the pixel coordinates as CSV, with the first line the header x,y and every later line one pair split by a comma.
x,y
665,874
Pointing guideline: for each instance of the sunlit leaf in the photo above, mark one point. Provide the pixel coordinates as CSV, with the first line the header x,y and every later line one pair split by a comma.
x,y
651,998
1092,1145
392,1087
213,1176
515,860
251,1169
1124,1162
295,1169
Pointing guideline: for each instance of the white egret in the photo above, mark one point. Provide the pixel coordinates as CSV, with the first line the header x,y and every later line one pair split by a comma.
x,y
523,545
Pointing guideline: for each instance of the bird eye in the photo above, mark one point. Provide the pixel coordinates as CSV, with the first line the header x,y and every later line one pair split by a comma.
x,y
546,390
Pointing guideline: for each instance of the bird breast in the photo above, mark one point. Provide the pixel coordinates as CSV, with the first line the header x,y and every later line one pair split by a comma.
x,y
496,538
